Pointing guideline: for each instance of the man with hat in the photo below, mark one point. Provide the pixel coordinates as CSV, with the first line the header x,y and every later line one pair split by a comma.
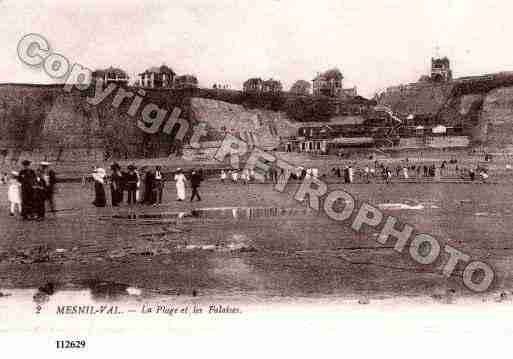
x,y
51,179
159,185
196,179
27,177
40,195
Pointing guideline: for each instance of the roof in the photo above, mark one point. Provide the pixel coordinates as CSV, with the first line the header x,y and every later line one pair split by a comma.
x,y
115,70
337,121
352,140
186,78
253,81
330,74
158,70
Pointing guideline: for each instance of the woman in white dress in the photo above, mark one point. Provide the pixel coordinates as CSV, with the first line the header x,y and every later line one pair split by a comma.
x,y
235,176
180,184
405,172
14,193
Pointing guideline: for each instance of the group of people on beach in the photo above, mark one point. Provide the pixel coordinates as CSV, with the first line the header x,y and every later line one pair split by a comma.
x,y
407,170
143,186
29,190
246,176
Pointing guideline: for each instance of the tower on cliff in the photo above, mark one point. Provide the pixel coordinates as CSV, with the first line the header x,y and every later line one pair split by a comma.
x,y
441,70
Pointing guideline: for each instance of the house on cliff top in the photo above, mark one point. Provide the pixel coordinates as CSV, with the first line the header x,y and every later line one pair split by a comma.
x,y
186,81
157,77
330,84
256,84
111,75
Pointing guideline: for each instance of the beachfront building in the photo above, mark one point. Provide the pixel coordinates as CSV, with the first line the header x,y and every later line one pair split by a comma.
x,y
157,77
111,75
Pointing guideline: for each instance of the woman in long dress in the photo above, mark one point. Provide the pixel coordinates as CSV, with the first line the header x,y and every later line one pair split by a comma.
x,y
14,193
180,184
99,191
405,172
116,185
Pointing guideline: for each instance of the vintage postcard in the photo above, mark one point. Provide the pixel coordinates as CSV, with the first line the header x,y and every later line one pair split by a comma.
x,y
246,178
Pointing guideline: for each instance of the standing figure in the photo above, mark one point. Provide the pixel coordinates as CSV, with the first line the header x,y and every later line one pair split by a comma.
x,y
235,176
180,184
405,172
472,174
281,176
141,189
245,176
223,176
366,174
131,184
196,179
27,177
159,185
14,193
350,174
99,191
149,183
40,195
51,181
116,185
346,174
138,186
388,175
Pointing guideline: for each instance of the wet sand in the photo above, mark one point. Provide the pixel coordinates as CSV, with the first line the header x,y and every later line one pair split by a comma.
x,y
282,250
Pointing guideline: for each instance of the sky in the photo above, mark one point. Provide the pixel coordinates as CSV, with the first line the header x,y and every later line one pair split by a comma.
x,y
374,43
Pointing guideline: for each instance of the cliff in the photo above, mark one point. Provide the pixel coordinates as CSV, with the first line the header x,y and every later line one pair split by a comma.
x,y
262,128
483,105
45,121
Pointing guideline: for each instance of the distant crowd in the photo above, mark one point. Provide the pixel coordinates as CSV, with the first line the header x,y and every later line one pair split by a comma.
x,y
31,191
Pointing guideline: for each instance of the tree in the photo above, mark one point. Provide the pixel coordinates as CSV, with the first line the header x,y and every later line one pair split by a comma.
x,y
300,87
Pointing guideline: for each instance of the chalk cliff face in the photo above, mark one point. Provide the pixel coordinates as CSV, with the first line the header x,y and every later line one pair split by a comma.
x,y
484,106
46,121
23,111
260,128
423,99
497,114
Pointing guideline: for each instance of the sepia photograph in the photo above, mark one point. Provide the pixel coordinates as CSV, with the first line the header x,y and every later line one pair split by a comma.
x,y
242,178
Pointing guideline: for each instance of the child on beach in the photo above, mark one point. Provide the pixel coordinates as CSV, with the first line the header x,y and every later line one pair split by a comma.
x,y
14,193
